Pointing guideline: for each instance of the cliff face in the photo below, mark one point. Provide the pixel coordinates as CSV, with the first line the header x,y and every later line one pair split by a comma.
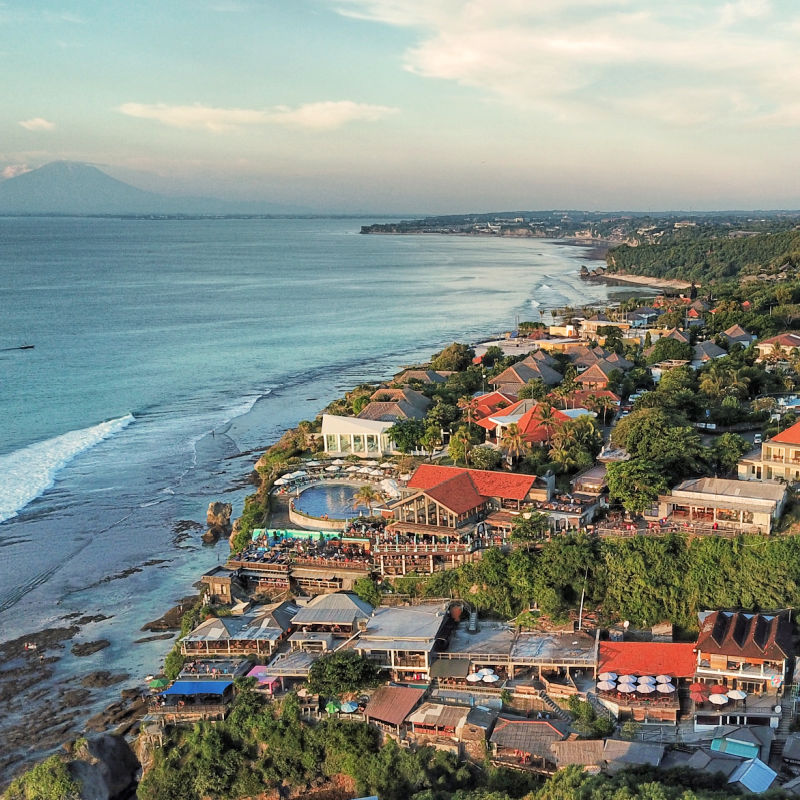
x,y
106,768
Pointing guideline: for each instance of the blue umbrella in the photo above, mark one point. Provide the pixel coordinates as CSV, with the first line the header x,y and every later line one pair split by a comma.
x,y
349,707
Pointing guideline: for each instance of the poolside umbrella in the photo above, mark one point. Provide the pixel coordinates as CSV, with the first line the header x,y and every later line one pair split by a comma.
x,y
737,694
354,468
473,677
627,679
648,679
645,688
299,474
349,707
718,699
331,469
158,683
302,692
387,465
698,697
626,688
719,688
606,686
485,671
372,462
377,473
332,707
312,463
665,688
338,462
607,676
491,678
663,678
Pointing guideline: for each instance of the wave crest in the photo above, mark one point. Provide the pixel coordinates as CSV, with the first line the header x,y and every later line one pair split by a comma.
x,y
31,471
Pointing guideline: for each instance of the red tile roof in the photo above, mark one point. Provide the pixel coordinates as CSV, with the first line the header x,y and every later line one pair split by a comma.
x,y
731,633
392,704
784,340
487,483
647,658
457,494
790,436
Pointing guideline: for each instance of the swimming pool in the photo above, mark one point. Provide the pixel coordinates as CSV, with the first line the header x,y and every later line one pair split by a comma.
x,y
333,499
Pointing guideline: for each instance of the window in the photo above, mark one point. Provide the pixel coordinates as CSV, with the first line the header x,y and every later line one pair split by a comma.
x,y
358,443
330,443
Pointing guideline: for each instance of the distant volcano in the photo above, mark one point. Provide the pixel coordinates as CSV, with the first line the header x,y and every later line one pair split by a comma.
x,y
69,187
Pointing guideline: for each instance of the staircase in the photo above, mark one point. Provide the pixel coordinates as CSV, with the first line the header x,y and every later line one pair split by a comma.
x,y
599,708
554,708
472,626
787,707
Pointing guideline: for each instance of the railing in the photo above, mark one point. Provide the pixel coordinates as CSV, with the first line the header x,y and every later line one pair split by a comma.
x,y
193,709
333,563
424,548
749,670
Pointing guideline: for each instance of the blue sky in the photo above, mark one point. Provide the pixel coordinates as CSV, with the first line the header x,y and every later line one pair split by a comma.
x,y
414,105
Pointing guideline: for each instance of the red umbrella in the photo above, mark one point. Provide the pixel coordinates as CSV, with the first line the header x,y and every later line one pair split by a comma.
x,y
698,687
698,697
719,688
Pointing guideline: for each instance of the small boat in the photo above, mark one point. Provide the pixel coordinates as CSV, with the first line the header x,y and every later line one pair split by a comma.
x,y
18,347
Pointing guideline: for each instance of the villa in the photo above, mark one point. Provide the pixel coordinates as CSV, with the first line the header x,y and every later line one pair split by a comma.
x,y
779,459
512,379
779,346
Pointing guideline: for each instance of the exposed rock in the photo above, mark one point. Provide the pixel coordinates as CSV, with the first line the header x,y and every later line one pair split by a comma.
x,y
87,648
74,698
218,518
105,766
171,621
103,678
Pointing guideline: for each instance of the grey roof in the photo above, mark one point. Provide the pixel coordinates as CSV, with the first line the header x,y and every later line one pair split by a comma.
x,y
624,753
422,622
265,624
400,645
438,715
340,608
586,752
710,762
450,668
791,750
528,735
482,717
732,488
706,350
754,775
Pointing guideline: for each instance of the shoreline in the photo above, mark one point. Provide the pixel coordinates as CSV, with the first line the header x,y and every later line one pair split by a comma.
x,y
643,280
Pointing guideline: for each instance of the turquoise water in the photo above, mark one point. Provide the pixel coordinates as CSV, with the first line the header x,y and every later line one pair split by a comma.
x,y
335,500
167,352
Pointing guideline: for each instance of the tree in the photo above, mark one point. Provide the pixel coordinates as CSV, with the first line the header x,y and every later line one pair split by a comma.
x,y
546,415
613,337
492,355
342,672
48,780
455,357
461,443
530,528
534,389
469,405
668,349
513,442
367,496
407,434
431,439
726,451
485,457
367,590
635,483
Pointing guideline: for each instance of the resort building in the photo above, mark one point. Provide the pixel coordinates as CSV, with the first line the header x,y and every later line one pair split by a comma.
x,y
341,615
408,376
522,742
511,380
402,640
736,334
746,652
438,522
779,459
535,421
258,633
723,505
391,405
778,347
434,721
597,376
344,436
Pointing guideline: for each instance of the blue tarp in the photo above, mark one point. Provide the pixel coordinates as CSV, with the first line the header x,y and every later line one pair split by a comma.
x,y
198,687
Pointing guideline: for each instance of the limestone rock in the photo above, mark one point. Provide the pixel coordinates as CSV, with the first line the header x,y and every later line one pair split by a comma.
x,y
106,767
219,521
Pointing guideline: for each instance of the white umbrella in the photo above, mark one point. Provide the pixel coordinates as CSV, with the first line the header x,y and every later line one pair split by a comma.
x,y
664,678
645,688
405,477
300,473
737,694
279,482
331,469
353,469
485,671
474,677
387,465
647,679
364,470
372,462
312,464
718,699
491,678
606,686
665,688
626,688
627,679
337,462
377,473
607,676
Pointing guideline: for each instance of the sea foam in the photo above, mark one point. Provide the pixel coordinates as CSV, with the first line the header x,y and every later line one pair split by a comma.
x,y
30,471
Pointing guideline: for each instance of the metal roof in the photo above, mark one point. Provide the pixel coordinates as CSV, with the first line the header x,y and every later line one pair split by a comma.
x,y
392,704
198,687
341,608
754,775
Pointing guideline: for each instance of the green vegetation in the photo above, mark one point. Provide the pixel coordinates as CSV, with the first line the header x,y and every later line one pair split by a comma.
x,y
586,721
48,780
455,357
343,672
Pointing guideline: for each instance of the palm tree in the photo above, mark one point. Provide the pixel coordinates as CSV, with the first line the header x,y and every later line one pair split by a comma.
x,y
602,404
367,496
463,438
546,415
513,442
470,405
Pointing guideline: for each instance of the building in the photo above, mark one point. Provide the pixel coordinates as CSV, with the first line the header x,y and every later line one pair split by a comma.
x,y
705,352
535,421
736,334
432,721
402,640
779,459
344,436
409,376
341,614
597,376
723,505
258,633
778,347
521,742
393,404
390,705
512,379
746,652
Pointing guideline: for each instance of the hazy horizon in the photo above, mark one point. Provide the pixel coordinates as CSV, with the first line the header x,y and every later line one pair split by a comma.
x,y
381,106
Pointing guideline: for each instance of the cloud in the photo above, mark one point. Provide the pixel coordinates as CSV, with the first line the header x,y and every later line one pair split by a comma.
x,y
325,115
584,58
12,170
37,124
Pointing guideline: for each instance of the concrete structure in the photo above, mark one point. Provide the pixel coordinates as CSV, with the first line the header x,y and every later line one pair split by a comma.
x,y
720,504
779,459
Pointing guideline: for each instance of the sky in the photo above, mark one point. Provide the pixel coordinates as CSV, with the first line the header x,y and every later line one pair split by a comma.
x,y
413,106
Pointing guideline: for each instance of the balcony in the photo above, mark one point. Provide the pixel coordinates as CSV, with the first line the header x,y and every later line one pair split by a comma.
x,y
740,670
429,549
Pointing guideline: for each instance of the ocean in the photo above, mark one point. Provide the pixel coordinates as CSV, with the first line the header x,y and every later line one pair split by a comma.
x,y
165,352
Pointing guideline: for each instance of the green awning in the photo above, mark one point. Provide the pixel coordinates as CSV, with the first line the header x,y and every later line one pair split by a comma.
x,y
450,668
